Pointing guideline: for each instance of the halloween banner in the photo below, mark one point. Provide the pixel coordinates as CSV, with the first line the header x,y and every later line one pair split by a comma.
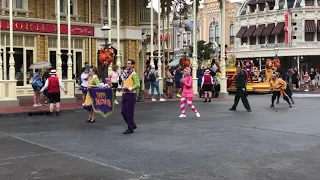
x,y
103,99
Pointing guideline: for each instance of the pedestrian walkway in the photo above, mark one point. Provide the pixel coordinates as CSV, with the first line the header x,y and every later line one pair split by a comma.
x,y
26,107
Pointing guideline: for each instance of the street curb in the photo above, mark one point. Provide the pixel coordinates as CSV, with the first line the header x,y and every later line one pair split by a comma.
x,y
45,112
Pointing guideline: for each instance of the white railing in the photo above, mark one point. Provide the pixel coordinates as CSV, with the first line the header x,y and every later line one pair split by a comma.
x,y
145,15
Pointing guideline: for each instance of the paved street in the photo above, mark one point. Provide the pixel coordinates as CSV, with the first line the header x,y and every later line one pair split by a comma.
x,y
266,144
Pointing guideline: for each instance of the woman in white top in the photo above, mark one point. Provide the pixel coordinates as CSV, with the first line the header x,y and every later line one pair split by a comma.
x,y
114,78
84,83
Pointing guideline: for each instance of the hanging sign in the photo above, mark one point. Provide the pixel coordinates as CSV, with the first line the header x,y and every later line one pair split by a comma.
x,y
37,27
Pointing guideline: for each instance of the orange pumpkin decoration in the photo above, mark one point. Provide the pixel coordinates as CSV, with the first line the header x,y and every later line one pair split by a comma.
x,y
106,56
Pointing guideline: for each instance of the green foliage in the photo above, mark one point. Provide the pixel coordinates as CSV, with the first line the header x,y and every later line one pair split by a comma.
x,y
204,50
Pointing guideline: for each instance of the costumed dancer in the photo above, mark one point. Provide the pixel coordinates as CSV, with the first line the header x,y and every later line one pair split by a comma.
x,y
249,69
131,85
287,91
53,84
187,93
93,82
241,91
207,85
278,87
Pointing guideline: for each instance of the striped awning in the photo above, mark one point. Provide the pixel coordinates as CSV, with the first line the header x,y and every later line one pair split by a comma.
x,y
278,29
253,2
259,30
310,26
268,30
241,32
250,31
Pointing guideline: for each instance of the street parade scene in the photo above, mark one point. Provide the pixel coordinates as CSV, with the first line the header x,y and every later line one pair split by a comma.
x,y
159,90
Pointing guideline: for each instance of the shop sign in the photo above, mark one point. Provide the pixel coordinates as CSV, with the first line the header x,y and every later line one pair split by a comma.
x,y
37,27
276,45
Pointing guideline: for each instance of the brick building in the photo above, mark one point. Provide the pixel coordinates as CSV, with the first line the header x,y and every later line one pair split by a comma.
x,y
35,39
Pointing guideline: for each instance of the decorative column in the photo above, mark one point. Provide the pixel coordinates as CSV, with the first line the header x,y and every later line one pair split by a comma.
x,y
195,56
70,82
118,34
223,84
109,33
152,34
159,51
58,62
11,52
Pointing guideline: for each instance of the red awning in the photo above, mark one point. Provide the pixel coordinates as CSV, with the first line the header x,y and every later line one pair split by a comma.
x,y
241,32
250,31
259,30
278,29
310,26
268,30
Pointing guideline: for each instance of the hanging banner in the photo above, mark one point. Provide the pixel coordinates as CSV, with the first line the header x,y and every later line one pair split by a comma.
x,y
103,100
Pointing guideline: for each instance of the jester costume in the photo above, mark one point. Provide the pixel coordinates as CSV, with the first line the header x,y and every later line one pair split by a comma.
x,y
249,69
278,87
93,80
131,84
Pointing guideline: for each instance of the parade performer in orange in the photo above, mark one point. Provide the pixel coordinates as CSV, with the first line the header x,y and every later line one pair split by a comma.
x,y
278,87
269,66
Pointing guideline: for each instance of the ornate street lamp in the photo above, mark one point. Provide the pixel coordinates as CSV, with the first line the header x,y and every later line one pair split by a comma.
x,y
105,30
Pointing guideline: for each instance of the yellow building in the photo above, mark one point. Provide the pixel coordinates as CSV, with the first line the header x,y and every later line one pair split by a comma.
x,y
35,37
210,22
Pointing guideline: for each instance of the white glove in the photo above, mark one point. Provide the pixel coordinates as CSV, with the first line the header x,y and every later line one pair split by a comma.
x,y
130,89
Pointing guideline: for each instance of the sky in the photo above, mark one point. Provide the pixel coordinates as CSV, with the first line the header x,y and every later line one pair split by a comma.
x,y
156,2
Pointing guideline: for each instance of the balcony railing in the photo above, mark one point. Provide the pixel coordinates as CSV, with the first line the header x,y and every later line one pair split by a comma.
x,y
145,16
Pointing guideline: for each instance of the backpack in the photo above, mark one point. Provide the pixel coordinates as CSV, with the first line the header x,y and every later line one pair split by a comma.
x,y
152,77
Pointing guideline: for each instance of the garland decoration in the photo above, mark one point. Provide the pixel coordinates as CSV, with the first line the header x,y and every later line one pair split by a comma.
x,y
106,56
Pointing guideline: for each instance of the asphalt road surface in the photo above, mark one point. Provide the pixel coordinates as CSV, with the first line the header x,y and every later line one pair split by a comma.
x,y
267,144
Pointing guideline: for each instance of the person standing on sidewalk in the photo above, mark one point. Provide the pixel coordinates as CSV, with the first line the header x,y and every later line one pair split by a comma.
x,y
84,83
187,93
207,85
146,81
114,78
53,84
154,81
45,76
241,92
177,79
131,85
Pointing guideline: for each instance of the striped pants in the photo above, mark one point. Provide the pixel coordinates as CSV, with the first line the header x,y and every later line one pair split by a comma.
x,y
189,102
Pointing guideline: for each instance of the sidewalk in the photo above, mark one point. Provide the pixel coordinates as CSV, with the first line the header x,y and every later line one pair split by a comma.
x,y
26,107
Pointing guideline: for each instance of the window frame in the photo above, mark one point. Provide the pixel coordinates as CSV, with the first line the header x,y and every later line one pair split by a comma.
x,y
231,34
25,8
64,11
211,31
216,33
273,38
261,38
105,6
281,38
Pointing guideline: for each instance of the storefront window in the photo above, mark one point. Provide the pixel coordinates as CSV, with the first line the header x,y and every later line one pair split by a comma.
x,y
309,36
271,39
28,63
271,5
262,39
18,58
253,40
318,36
309,2
281,38
262,6
53,59
79,64
244,40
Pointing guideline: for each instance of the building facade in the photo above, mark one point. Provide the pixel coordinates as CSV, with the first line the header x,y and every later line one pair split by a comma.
x,y
35,36
210,19
288,29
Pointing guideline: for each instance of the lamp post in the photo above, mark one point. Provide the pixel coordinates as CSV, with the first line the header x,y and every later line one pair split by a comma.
x,y
223,83
118,35
105,29
11,52
152,34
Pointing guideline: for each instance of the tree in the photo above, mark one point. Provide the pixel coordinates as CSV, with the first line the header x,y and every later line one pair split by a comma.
x,y
204,50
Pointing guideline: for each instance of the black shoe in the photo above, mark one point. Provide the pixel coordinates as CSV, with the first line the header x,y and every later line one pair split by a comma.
x,y
57,114
92,120
277,102
128,131
209,100
50,114
272,105
205,100
232,109
135,127
249,110
88,121
292,101
290,106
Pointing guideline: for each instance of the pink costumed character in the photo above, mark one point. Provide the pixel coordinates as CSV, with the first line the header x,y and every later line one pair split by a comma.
x,y
187,93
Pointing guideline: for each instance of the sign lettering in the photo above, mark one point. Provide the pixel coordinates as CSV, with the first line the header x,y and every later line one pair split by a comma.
x,y
26,26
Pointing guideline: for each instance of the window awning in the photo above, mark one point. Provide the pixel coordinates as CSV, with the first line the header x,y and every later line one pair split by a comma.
x,y
310,26
267,30
241,32
259,30
278,29
250,31
253,2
